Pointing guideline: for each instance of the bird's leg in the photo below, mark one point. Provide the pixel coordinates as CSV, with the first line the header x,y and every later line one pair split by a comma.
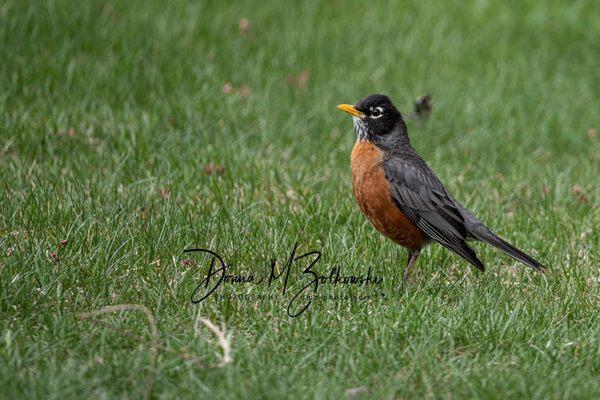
x,y
412,257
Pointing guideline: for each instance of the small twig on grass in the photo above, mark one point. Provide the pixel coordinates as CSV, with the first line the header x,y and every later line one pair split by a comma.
x,y
220,333
153,329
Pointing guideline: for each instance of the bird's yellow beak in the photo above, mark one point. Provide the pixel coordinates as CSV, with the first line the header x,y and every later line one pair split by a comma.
x,y
350,109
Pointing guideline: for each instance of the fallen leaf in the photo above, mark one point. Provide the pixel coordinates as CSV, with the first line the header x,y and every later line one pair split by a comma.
x,y
300,81
459,352
228,88
579,192
244,25
164,193
244,91
71,132
210,169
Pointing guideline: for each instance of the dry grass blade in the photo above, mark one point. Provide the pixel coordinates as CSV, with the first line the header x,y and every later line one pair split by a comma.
x,y
221,336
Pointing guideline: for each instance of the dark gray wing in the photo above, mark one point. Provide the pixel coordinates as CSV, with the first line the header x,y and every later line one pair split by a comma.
x,y
423,199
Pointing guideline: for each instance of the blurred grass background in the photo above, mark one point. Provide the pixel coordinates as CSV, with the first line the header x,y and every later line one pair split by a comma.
x,y
135,129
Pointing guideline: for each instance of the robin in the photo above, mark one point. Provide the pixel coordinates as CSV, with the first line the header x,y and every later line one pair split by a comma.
x,y
402,197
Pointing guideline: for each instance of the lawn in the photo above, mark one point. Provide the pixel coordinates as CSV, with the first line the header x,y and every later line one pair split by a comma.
x,y
133,130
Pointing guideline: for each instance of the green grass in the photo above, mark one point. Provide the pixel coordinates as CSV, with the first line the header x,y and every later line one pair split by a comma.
x,y
113,111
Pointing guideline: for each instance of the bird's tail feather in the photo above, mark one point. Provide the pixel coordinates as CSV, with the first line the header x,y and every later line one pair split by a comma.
x,y
501,244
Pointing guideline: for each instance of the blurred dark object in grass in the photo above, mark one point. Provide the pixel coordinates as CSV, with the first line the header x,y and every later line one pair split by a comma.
x,y
422,108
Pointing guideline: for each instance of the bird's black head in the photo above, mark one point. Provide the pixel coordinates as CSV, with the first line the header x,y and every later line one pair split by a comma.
x,y
376,119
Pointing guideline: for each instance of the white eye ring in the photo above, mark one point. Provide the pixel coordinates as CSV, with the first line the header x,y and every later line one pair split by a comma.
x,y
377,112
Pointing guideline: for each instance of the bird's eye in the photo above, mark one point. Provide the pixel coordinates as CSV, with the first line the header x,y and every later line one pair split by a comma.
x,y
377,112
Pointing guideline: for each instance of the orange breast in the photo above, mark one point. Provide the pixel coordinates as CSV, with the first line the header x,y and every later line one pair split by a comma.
x,y
372,193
